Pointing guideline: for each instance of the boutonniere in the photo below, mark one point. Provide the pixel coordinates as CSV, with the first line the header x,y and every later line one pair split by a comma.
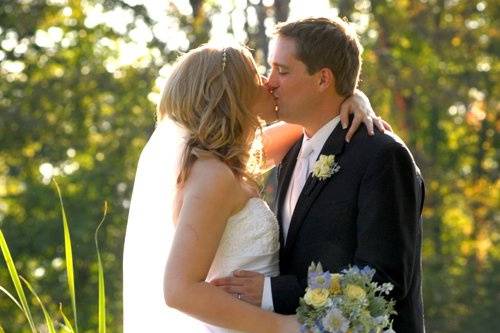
x,y
325,167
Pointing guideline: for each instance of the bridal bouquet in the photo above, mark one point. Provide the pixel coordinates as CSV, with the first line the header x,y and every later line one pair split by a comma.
x,y
349,302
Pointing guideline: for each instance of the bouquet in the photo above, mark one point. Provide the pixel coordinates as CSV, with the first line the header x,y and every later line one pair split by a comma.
x,y
349,302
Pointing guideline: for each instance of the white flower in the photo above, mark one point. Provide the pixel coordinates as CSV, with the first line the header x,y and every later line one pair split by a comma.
x,y
335,322
325,167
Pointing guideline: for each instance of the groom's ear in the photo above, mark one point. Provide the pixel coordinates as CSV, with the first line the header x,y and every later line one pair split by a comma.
x,y
326,79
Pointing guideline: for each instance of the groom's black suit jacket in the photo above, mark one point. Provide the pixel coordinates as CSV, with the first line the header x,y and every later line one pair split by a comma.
x,y
368,213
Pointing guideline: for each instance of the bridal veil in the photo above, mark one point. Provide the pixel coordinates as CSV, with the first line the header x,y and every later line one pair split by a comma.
x,y
149,236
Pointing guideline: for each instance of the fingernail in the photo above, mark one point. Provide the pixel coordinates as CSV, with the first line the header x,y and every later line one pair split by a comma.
x,y
344,126
347,140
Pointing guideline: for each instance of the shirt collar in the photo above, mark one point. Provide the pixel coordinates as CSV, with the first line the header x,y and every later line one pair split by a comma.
x,y
317,141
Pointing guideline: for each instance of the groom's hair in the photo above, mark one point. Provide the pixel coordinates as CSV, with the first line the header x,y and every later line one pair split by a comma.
x,y
327,43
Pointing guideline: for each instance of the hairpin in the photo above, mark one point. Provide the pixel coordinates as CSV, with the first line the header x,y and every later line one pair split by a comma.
x,y
224,57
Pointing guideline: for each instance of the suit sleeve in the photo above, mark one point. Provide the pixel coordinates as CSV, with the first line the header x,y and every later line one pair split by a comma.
x,y
286,291
388,221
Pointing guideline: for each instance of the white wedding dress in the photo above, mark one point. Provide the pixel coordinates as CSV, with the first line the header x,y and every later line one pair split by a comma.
x,y
250,240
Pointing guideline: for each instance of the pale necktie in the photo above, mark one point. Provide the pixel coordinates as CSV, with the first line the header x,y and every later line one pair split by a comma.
x,y
301,172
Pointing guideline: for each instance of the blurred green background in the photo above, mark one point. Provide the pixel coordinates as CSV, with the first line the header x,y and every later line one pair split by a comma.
x,y
78,86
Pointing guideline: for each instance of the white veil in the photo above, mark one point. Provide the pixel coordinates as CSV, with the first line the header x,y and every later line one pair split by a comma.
x,y
149,236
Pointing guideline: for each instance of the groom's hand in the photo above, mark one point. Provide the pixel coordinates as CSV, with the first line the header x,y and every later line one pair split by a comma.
x,y
247,284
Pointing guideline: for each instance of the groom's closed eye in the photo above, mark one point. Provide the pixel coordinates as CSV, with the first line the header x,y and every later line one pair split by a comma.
x,y
282,70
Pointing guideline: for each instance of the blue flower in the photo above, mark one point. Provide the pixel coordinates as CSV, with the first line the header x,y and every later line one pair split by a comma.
x,y
368,272
319,280
319,326
335,322
381,320
354,270
358,329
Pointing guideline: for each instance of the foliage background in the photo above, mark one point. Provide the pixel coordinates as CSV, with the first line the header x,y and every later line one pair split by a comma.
x,y
72,106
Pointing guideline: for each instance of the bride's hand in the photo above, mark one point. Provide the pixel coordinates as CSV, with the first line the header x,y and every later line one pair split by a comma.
x,y
289,324
359,105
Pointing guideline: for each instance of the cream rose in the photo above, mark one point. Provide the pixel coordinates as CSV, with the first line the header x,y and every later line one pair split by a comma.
x,y
354,292
316,297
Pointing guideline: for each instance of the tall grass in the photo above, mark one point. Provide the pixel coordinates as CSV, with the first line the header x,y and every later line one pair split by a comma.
x,y
21,301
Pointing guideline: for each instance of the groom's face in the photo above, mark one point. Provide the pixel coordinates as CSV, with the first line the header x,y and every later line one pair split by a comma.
x,y
293,87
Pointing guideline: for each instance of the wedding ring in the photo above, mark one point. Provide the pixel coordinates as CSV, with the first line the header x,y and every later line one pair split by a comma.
x,y
238,295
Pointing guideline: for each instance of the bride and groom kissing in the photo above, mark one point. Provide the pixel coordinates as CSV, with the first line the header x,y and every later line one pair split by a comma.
x,y
204,253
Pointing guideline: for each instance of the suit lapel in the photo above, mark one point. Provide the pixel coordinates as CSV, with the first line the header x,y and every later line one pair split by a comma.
x,y
334,145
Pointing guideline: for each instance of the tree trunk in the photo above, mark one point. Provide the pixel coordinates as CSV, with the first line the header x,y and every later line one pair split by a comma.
x,y
281,10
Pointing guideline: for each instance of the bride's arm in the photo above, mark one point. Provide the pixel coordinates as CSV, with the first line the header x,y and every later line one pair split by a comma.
x,y
209,199
279,137
277,140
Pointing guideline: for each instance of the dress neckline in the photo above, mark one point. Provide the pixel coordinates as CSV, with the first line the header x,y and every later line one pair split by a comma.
x,y
246,206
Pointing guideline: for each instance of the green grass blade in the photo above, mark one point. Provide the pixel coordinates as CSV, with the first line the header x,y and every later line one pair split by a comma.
x,y
48,319
69,258
6,292
102,287
67,323
15,280
1,329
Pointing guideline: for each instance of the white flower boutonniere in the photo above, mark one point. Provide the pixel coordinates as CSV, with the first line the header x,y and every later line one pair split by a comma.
x,y
325,167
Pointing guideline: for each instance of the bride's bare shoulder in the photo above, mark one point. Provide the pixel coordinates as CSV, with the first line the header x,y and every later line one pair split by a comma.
x,y
212,180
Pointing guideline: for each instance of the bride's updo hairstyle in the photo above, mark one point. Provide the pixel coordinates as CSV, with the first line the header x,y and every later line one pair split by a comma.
x,y
209,93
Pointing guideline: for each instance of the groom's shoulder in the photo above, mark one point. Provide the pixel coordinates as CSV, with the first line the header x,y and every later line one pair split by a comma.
x,y
373,145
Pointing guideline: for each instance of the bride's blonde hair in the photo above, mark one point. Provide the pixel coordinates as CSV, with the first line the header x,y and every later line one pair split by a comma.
x,y
209,93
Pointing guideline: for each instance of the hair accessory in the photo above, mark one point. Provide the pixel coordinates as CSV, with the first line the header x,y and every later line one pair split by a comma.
x,y
224,58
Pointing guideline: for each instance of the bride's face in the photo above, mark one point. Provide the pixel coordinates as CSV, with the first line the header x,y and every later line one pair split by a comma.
x,y
263,105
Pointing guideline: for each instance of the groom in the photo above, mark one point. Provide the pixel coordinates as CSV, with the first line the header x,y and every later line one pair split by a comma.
x,y
367,211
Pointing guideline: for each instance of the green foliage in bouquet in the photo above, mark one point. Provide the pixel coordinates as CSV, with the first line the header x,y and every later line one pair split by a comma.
x,y
22,301
346,302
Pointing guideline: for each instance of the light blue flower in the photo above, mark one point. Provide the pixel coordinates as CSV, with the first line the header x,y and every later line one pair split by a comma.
x,y
354,270
335,322
316,329
368,272
317,280
381,320
359,329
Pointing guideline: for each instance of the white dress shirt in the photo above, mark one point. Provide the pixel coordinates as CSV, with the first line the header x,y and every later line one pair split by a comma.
x,y
310,150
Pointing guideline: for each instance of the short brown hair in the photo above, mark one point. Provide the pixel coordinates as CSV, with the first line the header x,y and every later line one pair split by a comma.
x,y
327,43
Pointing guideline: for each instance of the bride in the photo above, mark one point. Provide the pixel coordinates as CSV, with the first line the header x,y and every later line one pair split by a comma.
x,y
195,212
